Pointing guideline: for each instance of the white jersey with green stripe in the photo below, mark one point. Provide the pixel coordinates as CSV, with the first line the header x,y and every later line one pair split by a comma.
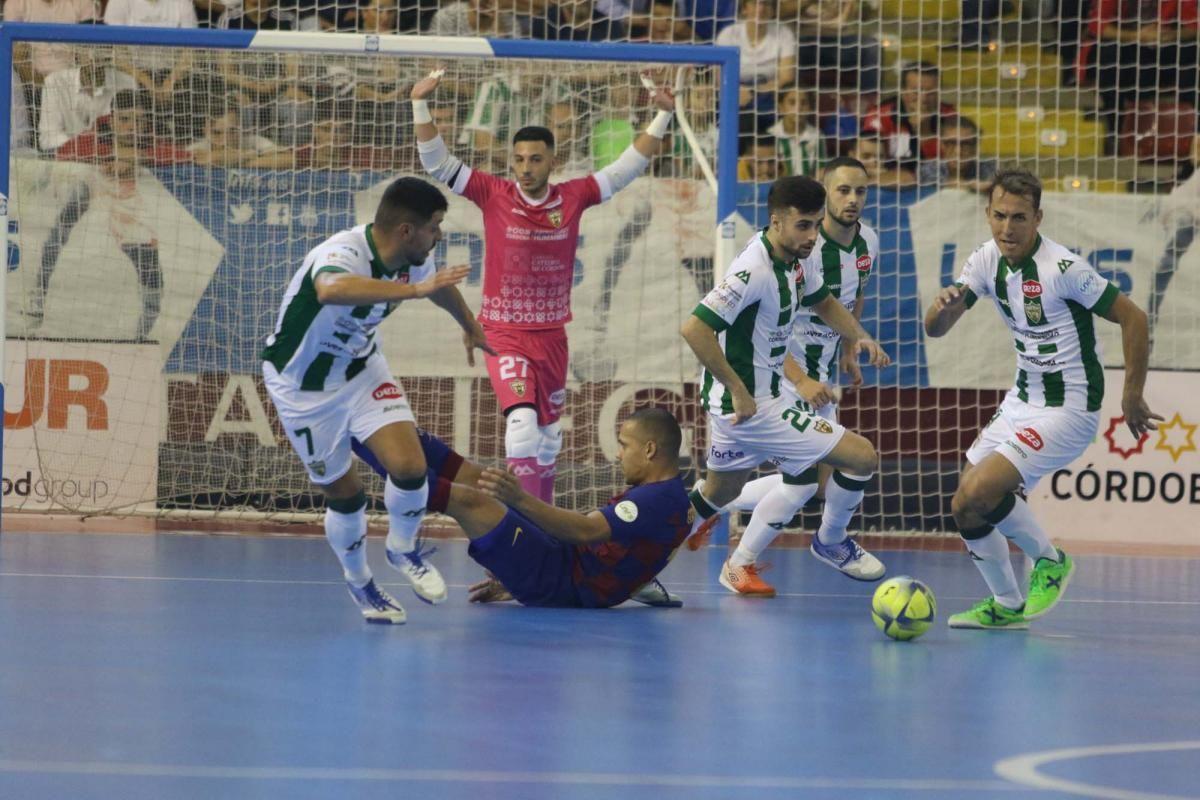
x,y
1048,301
318,347
845,272
752,311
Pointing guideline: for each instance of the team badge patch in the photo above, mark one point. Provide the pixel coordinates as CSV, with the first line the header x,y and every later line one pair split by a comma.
x,y
387,391
555,217
822,426
518,387
863,263
318,468
626,510
1030,437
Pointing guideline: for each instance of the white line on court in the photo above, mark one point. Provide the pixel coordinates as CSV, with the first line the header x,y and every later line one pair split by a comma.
x,y
449,776
683,592
1024,769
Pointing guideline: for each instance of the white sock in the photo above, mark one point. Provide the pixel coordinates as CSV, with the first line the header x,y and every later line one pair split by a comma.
x,y
843,496
770,515
990,555
754,491
347,535
1022,527
406,510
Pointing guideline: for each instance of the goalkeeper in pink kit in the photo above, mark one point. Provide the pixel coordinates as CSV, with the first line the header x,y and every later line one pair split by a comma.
x,y
531,231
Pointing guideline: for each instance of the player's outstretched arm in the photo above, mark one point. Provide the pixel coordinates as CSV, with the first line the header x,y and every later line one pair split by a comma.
x,y
834,314
704,343
1135,341
945,310
568,526
435,157
633,162
450,299
346,289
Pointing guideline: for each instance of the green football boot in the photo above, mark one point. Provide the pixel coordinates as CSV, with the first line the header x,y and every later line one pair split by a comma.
x,y
988,615
1047,582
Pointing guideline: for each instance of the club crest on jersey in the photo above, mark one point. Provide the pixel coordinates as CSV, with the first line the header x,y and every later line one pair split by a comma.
x,y
387,391
863,263
555,217
1031,438
318,468
518,387
822,426
1033,301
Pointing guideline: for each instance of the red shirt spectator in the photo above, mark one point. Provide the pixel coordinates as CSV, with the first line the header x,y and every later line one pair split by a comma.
x,y
908,124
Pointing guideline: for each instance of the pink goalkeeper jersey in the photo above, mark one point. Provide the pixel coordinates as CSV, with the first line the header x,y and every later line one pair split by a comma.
x,y
529,258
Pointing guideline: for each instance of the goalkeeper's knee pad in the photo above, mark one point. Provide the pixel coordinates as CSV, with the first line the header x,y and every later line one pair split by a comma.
x,y
521,436
549,442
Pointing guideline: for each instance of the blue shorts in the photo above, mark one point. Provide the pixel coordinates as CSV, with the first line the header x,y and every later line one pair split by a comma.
x,y
534,566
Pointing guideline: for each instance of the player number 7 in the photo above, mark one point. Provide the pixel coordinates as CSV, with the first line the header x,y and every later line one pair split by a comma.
x,y
307,434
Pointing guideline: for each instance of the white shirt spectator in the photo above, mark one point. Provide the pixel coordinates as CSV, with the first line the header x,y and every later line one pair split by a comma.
x,y
454,19
20,136
69,109
760,62
152,13
50,57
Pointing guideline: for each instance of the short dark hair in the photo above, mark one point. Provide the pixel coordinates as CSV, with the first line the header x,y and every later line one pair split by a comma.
x,y
1019,181
796,191
535,133
660,427
958,121
410,200
921,68
843,161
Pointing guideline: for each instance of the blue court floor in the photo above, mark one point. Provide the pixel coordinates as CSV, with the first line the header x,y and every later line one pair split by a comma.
x,y
203,666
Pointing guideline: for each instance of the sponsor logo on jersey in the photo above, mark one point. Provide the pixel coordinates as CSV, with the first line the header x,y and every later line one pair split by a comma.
x,y
626,510
863,263
558,397
1031,438
822,426
386,391
724,454
1031,289
317,467
518,387
555,217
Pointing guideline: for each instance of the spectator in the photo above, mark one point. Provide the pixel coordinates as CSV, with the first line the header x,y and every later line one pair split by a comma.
x,y
830,41
707,18
958,165
226,144
161,71
768,52
21,134
757,160
869,150
127,129
256,15
576,20
660,25
979,20
801,145
474,18
908,124
567,126
151,13
35,61
329,149
701,106
1144,47
74,98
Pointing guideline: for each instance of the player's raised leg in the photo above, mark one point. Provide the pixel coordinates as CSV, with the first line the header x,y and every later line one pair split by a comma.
x,y
405,493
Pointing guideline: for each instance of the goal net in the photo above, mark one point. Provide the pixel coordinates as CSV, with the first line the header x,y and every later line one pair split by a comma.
x,y
151,245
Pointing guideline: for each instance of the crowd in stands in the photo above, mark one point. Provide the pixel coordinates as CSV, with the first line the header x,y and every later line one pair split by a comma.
x,y
812,82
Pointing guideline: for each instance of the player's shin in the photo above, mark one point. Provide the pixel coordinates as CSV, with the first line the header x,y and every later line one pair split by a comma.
x,y
549,444
346,532
1014,518
521,440
754,491
405,501
771,514
989,552
843,496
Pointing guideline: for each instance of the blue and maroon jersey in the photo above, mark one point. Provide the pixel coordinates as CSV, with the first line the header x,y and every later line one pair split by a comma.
x,y
648,523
